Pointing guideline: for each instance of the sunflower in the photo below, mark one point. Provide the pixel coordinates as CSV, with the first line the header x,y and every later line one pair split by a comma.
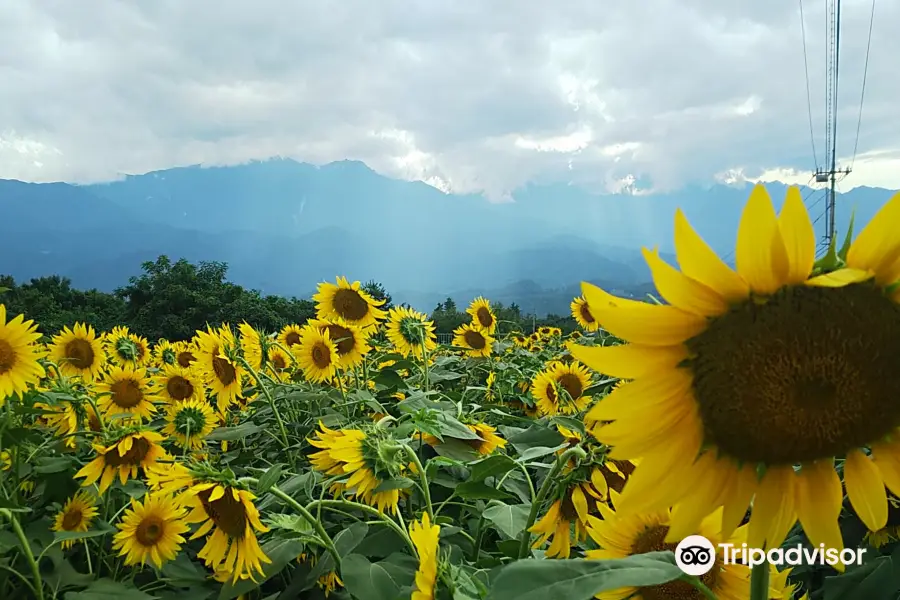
x,y
329,581
189,422
483,316
76,515
350,341
231,515
560,388
289,335
69,417
358,455
164,353
78,352
152,529
621,536
477,342
488,441
123,458
5,460
582,314
279,363
185,354
520,340
178,384
252,346
316,354
348,302
411,332
425,537
891,531
127,391
489,388
126,348
223,375
771,366
19,355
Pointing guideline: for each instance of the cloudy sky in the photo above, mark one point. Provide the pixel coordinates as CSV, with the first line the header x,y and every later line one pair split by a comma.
x,y
470,95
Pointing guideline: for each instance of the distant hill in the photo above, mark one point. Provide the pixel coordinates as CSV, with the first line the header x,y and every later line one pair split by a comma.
x,y
283,226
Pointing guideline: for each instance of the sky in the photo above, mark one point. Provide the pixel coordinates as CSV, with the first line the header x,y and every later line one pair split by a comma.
x,y
467,95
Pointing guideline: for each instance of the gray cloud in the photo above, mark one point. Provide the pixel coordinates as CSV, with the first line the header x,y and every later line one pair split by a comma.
x,y
473,93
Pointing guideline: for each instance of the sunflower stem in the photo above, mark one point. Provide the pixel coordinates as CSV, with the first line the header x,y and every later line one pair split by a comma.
x,y
320,530
270,400
337,504
423,477
97,412
26,551
549,481
759,582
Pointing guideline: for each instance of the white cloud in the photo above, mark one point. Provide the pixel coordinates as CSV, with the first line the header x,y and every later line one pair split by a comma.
x,y
468,96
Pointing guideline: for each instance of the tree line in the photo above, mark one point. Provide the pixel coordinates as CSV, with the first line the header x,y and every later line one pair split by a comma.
x,y
172,300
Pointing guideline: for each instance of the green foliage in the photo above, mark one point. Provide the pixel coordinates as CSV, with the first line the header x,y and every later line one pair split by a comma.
x,y
447,317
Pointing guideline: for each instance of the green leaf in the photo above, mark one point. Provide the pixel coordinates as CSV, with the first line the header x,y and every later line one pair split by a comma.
x,y
268,479
367,581
7,504
848,240
477,490
107,589
536,436
397,483
294,523
539,451
61,536
509,519
53,464
230,434
569,423
389,378
183,571
493,466
871,581
348,539
581,579
456,450
451,427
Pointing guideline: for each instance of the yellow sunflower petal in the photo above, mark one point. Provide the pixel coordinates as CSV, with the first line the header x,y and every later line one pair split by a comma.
x,y
681,291
798,235
640,322
877,246
629,361
840,278
760,255
886,456
865,488
773,509
819,498
699,262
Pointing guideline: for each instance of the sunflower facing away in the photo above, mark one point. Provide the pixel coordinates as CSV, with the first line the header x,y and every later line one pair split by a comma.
x,y
123,458
560,388
127,391
79,352
582,314
316,355
487,442
350,341
189,422
410,332
164,353
770,366
476,341
483,316
19,355
152,529
425,537
68,417
252,346
348,302
178,384
223,375
76,515
126,348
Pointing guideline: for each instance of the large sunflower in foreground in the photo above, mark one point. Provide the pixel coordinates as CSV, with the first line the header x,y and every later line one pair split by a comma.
x,y
581,312
76,516
482,314
425,537
152,529
476,341
349,302
410,332
127,391
771,366
351,342
19,355
79,352
123,458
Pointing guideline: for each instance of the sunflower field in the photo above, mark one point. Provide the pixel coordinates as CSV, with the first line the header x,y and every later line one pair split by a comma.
x,y
352,456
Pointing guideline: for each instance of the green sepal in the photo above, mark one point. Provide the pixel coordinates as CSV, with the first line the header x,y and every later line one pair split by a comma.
x,y
848,240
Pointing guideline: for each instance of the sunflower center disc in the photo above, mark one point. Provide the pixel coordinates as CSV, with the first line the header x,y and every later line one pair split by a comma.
x,y
321,357
179,388
139,450
292,339
150,531
350,305
586,313
278,362
224,370
616,481
812,373
571,384
185,359
228,514
484,316
126,393
474,340
342,337
653,539
7,357
72,519
80,354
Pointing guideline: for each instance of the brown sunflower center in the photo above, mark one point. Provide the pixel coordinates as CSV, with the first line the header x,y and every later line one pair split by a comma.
x,y
572,384
135,455
811,373
72,518
292,338
150,531
615,480
79,353
185,358
550,391
474,340
567,507
342,338
321,357
179,388
7,357
126,393
653,539
279,363
586,313
350,305
484,316
228,514
224,370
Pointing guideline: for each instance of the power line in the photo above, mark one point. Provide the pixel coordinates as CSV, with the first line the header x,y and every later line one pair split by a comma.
x,y
812,137
862,95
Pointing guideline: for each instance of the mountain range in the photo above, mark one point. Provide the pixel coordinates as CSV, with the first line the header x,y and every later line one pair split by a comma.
x,y
283,226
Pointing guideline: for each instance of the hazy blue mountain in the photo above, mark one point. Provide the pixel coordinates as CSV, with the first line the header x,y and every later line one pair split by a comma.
x,y
283,226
